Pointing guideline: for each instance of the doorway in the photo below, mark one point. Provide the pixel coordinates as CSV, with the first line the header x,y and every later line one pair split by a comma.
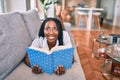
x,y
109,9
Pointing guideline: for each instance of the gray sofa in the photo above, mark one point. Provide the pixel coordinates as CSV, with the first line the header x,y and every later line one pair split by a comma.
x,y
17,30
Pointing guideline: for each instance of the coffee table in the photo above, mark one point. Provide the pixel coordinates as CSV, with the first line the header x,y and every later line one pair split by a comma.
x,y
107,69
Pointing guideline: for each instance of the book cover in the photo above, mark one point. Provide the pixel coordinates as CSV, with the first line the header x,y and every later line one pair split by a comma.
x,y
50,60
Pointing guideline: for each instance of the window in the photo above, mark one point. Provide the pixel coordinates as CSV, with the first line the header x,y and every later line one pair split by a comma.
x,y
1,6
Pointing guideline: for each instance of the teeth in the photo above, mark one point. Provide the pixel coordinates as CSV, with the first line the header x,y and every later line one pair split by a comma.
x,y
51,37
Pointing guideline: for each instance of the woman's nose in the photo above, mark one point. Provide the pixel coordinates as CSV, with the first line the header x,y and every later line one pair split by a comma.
x,y
51,31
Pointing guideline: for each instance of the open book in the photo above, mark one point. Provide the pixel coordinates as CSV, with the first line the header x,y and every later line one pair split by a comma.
x,y
50,60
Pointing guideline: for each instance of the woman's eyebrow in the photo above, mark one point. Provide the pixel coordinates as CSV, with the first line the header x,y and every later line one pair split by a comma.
x,y
47,26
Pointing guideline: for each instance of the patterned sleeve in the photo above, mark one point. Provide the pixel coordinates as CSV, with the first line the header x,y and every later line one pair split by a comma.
x,y
66,38
37,42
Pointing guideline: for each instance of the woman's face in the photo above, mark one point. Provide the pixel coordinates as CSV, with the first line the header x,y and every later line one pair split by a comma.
x,y
51,31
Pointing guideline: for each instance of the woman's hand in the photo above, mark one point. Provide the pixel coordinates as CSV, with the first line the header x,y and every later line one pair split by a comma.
x,y
36,69
60,70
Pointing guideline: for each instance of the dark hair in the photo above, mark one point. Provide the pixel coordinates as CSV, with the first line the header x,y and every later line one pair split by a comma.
x,y
59,27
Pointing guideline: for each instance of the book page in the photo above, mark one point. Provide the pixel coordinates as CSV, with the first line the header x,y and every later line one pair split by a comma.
x,y
60,47
41,49
52,50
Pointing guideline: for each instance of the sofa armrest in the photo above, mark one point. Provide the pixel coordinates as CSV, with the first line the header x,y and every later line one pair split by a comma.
x,y
67,26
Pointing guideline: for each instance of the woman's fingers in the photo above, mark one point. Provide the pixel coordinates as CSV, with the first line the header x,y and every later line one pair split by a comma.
x,y
36,70
60,70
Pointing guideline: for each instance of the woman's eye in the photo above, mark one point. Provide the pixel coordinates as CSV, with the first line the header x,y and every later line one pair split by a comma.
x,y
55,29
47,28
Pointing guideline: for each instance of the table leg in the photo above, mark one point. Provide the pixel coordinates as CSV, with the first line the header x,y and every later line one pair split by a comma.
x,y
99,45
89,22
93,48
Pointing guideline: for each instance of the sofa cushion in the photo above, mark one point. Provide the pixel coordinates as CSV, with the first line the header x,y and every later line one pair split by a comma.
x,y
14,39
32,21
23,72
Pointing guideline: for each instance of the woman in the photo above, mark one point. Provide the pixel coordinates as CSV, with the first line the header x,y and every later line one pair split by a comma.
x,y
50,35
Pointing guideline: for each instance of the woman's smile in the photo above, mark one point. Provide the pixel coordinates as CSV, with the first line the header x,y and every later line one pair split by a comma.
x,y
51,37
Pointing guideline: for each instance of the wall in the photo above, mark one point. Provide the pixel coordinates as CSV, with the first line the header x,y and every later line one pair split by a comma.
x,y
18,5
89,3
15,5
71,3
108,6
117,13
98,5
92,3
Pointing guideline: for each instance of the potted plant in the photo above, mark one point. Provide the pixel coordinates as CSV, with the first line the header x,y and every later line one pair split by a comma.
x,y
48,3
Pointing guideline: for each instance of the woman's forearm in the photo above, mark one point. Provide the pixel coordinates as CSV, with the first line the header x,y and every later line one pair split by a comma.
x,y
27,60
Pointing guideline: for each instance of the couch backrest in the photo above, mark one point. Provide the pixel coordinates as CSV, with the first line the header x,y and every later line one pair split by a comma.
x,y
14,38
17,30
33,22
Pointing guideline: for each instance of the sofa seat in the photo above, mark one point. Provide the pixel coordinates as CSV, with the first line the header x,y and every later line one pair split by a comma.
x,y
23,72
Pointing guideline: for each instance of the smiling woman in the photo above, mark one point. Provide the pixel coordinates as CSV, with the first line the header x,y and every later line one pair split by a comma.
x,y
50,35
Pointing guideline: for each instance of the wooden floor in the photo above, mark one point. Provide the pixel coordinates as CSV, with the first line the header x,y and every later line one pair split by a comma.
x,y
84,39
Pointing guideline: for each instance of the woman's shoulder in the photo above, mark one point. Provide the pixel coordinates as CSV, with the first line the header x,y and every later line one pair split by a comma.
x,y
37,42
38,39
